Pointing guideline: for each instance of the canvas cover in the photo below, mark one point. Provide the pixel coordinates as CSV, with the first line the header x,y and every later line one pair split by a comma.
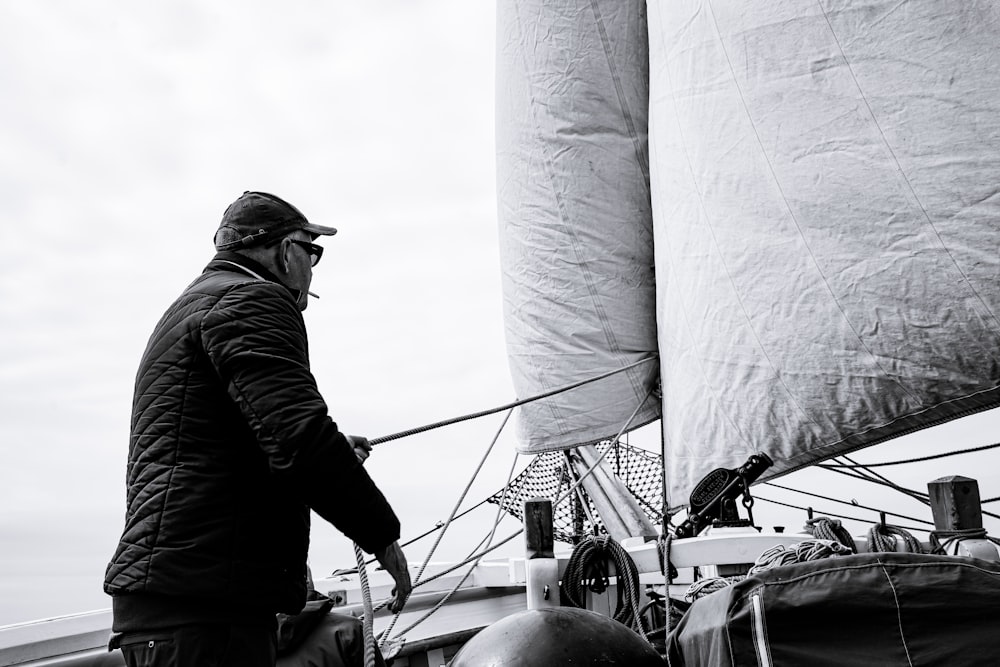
x,y
575,229
870,609
826,204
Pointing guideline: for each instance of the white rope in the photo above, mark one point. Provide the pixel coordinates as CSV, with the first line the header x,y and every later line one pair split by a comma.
x,y
368,622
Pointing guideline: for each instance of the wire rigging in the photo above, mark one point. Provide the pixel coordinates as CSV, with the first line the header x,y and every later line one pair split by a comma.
x,y
917,459
508,406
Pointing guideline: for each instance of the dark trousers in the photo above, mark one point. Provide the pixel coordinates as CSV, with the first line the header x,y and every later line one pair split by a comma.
x,y
200,646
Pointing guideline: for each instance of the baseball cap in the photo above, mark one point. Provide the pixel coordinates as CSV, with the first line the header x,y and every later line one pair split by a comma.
x,y
258,217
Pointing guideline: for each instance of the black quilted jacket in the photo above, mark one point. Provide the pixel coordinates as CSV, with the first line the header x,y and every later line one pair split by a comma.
x,y
231,445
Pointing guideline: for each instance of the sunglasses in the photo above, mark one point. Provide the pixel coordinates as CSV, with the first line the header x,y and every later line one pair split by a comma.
x,y
315,251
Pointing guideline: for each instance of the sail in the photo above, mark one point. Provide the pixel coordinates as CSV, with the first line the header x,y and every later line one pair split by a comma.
x,y
574,214
826,203
824,188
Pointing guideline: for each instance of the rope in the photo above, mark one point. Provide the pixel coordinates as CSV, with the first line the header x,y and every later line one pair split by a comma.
x,y
851,503
461,497
918,459
508,406
825,528
481,554
486,541
444,529
801,552
884,537
368,623
916,495
776,556
703,587
588,568
839,516
953,537
571,489
668,578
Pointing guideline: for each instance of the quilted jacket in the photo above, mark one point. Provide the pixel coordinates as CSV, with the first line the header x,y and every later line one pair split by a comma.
x,y
231,445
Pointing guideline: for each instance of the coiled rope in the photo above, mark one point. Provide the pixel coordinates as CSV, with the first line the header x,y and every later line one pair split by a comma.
x,y
825,528
776,556
587,569
885,537
801,552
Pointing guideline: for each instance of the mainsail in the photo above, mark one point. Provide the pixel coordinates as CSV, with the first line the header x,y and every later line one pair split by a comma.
x,y
825,188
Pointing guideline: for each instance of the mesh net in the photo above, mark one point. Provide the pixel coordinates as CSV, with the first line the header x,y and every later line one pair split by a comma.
x,y
549,475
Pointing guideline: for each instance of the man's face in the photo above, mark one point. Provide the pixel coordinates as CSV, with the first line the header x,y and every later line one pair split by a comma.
x,y
298,261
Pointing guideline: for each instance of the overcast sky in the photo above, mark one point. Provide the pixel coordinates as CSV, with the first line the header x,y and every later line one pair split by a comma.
x,y
127,128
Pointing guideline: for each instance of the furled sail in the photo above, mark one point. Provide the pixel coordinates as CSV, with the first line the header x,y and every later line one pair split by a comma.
x,y
826,196
574,210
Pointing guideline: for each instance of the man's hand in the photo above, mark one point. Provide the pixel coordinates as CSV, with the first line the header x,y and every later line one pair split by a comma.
x,y
362,448
394,562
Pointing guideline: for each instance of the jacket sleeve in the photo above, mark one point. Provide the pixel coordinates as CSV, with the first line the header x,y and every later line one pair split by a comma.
x,y
256,340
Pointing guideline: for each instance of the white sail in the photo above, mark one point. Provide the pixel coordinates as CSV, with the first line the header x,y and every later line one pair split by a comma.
x,y
826,196
825,187
576,231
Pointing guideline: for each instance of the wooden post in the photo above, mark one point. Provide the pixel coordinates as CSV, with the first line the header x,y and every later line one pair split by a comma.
x,y
541,566
955,503
956,506
619,511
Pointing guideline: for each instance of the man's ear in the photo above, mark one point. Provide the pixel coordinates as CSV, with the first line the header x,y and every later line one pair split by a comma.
x,y
284,257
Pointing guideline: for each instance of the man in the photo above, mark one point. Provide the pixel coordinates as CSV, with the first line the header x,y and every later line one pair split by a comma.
x,y
231,445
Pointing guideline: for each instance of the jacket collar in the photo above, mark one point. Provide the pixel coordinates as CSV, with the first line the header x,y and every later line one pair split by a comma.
x,y
234,261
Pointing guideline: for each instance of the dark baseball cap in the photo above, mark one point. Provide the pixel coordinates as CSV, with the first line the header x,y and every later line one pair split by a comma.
x,y
258,217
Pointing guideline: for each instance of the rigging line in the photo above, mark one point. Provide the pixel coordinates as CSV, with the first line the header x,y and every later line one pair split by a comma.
x,y
432,530
916,495
464,493
520,530
601,457
881,477
468,560
852,504
865,468
487,540
918,459
499,514
456,566
509,406
839,516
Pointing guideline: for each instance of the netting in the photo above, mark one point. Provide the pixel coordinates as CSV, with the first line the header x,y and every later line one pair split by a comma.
x,y
548,476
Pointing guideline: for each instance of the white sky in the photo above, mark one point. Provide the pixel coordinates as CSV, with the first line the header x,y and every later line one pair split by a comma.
x,y
127,128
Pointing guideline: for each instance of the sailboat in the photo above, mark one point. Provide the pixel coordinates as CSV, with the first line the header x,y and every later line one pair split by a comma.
x,y
770,232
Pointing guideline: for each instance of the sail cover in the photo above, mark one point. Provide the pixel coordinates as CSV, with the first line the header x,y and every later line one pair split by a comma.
x,y
574,215
869,609
826,197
